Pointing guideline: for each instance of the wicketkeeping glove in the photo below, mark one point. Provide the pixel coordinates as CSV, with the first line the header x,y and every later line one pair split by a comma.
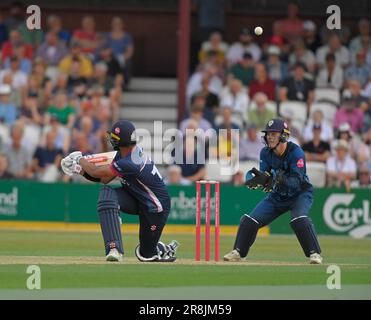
x,y
258,179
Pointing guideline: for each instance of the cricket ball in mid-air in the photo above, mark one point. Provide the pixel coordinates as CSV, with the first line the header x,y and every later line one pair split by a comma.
x,y
258,31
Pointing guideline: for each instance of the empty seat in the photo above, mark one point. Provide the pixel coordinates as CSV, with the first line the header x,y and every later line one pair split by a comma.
x,y
296,109
328,110
327,94
316,172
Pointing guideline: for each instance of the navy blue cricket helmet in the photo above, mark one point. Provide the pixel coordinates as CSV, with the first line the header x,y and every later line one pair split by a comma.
x,y
277,125
122,134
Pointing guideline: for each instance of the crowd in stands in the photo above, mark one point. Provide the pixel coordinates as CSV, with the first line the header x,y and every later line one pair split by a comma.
x,y
60,90
318,80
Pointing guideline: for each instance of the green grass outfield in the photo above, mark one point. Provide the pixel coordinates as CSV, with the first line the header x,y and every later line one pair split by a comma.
x,y
73,267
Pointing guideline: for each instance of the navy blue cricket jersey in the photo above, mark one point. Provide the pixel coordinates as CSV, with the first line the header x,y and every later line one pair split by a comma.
x,y
140,177
292,162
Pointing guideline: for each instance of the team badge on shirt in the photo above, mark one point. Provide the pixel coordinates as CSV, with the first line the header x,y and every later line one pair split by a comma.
x,y
300,163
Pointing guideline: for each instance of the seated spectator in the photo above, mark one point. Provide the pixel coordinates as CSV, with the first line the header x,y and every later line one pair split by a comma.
x,y
8,111
360,70
260,115
364,28
18,155
75,78
63,138
103,104
196,115
30,112
87,127
334,46
52,50
215,45
15,40
317,150
311,38
39,71
295,131
122,45
19,78
16,15
54,23
277,70
107,57
100,78
86,68
353,91
357,149
87,38
349,113
227,122
174,176
227,148
364,178
62,110
36,89
330,76
303,55
327,132
46,160
262,83
244,69
80,141
251,146
25,64
4,166
297,87
341,168
236,98
3,31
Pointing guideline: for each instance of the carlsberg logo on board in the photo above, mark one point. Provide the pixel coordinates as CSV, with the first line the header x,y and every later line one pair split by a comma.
x,y
341,216
9,202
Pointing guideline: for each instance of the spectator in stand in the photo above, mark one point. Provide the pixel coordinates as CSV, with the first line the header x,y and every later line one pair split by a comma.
x,y
30,113
100,78
341,168
244,69
303,55
19,78
295,129
62,133
260,115
330,76
196,115
86,68
61,110
174,176
327,132
317,150
349,113
236,98
262,83
245,44
8,111
311,38
25,64
88,39
251,146
52,50
87,127
18,154
364,178
106,56
15,40
4,168
364,27
277,70
215,45
75,78
3,31
360,70
334,46
46,160
297,87
16,94
122,45
16,16
227,121
54,23
353,90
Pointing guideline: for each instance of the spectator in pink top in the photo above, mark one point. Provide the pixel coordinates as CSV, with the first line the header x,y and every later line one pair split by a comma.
x,y
351,114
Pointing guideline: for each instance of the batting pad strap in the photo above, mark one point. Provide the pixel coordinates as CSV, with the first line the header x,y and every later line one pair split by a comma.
x,y
143,259
306,234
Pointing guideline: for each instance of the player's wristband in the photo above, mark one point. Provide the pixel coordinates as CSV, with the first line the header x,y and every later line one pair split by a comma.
x,y
89,177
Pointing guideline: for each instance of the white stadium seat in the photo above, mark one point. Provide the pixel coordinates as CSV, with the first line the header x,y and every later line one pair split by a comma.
x,y
247,165
328,110
316,172
327,94
271,105
296,108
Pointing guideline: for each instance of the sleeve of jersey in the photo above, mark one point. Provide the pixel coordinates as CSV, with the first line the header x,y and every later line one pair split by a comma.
x,y
295,177
263,166
122,168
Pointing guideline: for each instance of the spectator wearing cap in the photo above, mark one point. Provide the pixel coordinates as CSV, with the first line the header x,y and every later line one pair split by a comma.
x,y
317,150
15,39
87,37
251,146
297,87
214,45
245,44
260,115
277,69
327,132
364,29
334,46
341,169
61,110
303,55
52,50
243,70
331,75
262,83
311,38
8,111
349,113
19,78
359,70
174,176
54,24
357,149
4,167
236,98
86,67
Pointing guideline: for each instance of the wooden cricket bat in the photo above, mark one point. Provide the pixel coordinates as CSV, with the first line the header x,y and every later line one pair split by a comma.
x,y
101,159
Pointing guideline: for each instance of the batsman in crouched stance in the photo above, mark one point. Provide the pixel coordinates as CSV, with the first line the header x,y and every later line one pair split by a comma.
x,y
142,193
283,176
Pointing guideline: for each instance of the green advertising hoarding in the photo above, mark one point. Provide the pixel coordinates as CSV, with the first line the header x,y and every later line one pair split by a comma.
x,y
334,211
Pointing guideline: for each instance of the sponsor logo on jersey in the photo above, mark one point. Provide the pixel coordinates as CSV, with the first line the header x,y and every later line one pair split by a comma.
x,y
300,163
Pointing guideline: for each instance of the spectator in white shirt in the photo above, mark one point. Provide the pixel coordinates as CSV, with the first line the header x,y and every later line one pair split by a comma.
x,y
303,55
341,53
327,133
18,76
331,75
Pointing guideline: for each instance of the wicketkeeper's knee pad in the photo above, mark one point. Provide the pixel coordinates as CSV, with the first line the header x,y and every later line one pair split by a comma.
x,y
108,209
306,234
